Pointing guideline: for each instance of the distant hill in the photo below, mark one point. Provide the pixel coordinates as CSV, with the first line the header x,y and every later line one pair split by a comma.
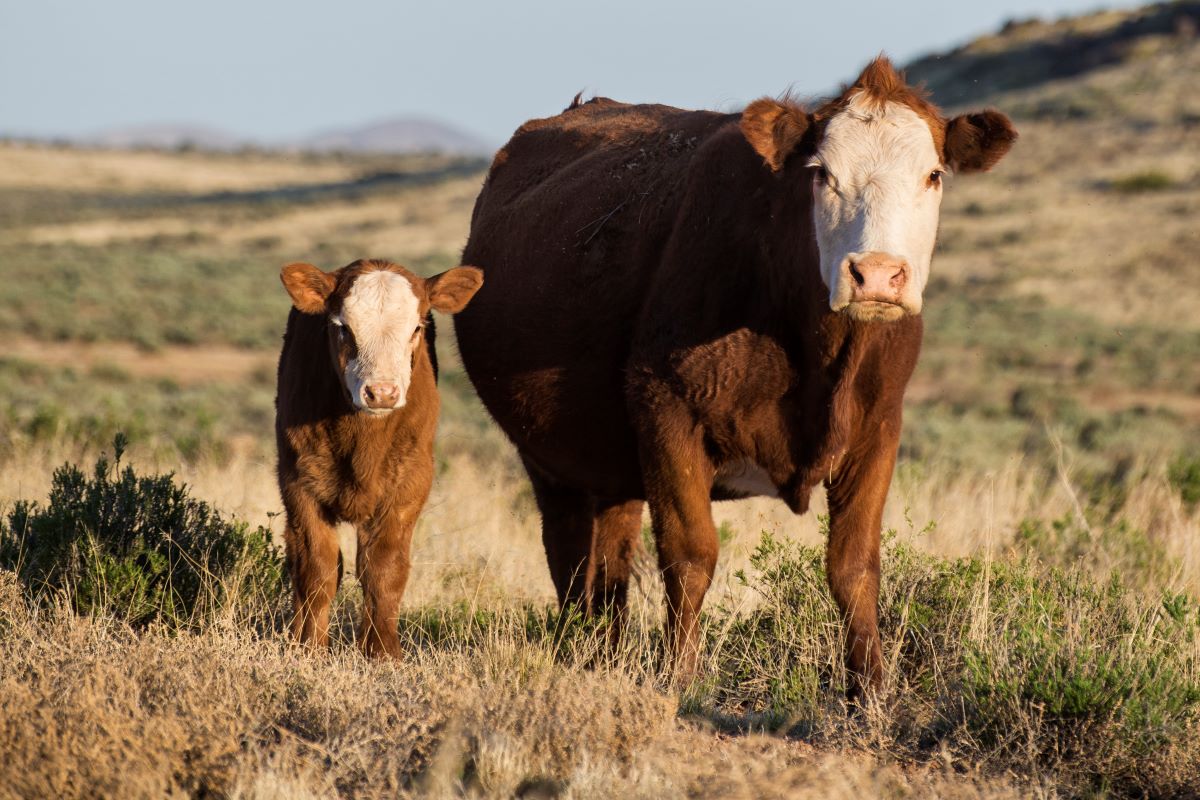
x,y
1028,53
397,135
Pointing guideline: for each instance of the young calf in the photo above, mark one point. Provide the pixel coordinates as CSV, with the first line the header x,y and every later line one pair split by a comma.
x,y
355,418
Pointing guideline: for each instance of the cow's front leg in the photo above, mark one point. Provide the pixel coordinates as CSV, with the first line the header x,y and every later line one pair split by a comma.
x,y
678,477
857,494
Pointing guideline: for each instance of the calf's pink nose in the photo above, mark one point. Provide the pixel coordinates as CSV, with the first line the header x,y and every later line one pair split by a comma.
x,y
878,276
381,395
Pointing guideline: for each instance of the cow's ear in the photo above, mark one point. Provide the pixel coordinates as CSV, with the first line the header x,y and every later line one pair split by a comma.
x,y
975,142
450,291
308,286
774,129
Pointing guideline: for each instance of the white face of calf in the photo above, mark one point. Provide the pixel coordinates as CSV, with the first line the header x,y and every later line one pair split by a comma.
x,y
378,328
877,193
376,314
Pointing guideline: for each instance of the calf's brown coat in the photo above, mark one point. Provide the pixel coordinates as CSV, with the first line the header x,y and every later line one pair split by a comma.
x,y
340,464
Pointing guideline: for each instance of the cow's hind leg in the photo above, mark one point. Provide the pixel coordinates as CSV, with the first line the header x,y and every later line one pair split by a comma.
x,y
314,561
615,540
568,516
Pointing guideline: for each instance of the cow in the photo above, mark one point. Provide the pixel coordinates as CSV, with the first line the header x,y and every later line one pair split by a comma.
x,y
700,306
356,411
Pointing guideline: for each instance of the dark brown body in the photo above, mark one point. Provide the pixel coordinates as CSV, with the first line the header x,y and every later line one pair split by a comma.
x,y
336,464
663,318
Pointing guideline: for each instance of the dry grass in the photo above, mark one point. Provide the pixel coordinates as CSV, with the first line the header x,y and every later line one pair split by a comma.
x,y
479,537
233,714
1045,220
416,223
489,702
31,166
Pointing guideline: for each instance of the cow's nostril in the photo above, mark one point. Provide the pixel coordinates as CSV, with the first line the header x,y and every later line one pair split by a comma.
x,y
858,276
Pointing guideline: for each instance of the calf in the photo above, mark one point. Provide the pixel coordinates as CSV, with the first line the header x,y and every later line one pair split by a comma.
x,y
356,410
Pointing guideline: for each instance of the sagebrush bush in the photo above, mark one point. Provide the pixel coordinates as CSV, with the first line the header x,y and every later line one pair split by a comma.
x,y
1069,541
1149,181
1184,475
135,546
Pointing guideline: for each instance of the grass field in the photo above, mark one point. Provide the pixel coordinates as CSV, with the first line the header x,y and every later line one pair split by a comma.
x,y
1039,608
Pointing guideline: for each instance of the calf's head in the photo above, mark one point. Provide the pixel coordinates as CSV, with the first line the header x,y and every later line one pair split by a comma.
x,y
375,315
876,157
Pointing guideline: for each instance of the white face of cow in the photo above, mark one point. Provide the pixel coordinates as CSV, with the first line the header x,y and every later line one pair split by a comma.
x,y
877,192
877,173
378,328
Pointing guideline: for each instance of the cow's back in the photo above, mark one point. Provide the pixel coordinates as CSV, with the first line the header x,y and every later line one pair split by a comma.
x,y
568,230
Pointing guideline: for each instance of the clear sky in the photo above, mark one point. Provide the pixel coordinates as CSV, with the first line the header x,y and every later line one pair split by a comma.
x,y
274,69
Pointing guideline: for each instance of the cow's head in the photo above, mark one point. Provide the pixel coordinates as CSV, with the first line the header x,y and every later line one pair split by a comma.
x,y
375,315
876,157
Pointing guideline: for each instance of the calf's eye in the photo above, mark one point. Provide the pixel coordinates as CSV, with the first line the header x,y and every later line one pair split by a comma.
x,y
935,177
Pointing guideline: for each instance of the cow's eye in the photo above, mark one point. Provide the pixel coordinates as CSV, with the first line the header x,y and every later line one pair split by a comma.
x,y
935,177
820,173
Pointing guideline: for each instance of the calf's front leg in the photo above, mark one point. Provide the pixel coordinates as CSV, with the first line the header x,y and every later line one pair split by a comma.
x,y
313,559
383,565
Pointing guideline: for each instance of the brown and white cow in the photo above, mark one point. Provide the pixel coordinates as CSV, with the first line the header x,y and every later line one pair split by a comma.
x,y
355,419
701,306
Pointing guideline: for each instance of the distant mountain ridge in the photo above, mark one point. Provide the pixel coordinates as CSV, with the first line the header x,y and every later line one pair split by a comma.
x,y
164,136
402,135
396,135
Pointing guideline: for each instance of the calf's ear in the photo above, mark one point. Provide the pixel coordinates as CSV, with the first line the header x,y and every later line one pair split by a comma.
x,y
975,142
775,130
308,286
450,291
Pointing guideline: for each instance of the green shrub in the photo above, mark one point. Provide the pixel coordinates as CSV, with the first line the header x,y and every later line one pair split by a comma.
x,y
136,546
1184,475
1138,182
1007,663
1082,659
1067,542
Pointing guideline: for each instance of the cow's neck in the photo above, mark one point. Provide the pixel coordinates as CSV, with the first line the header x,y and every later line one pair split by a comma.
x,y
827,352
